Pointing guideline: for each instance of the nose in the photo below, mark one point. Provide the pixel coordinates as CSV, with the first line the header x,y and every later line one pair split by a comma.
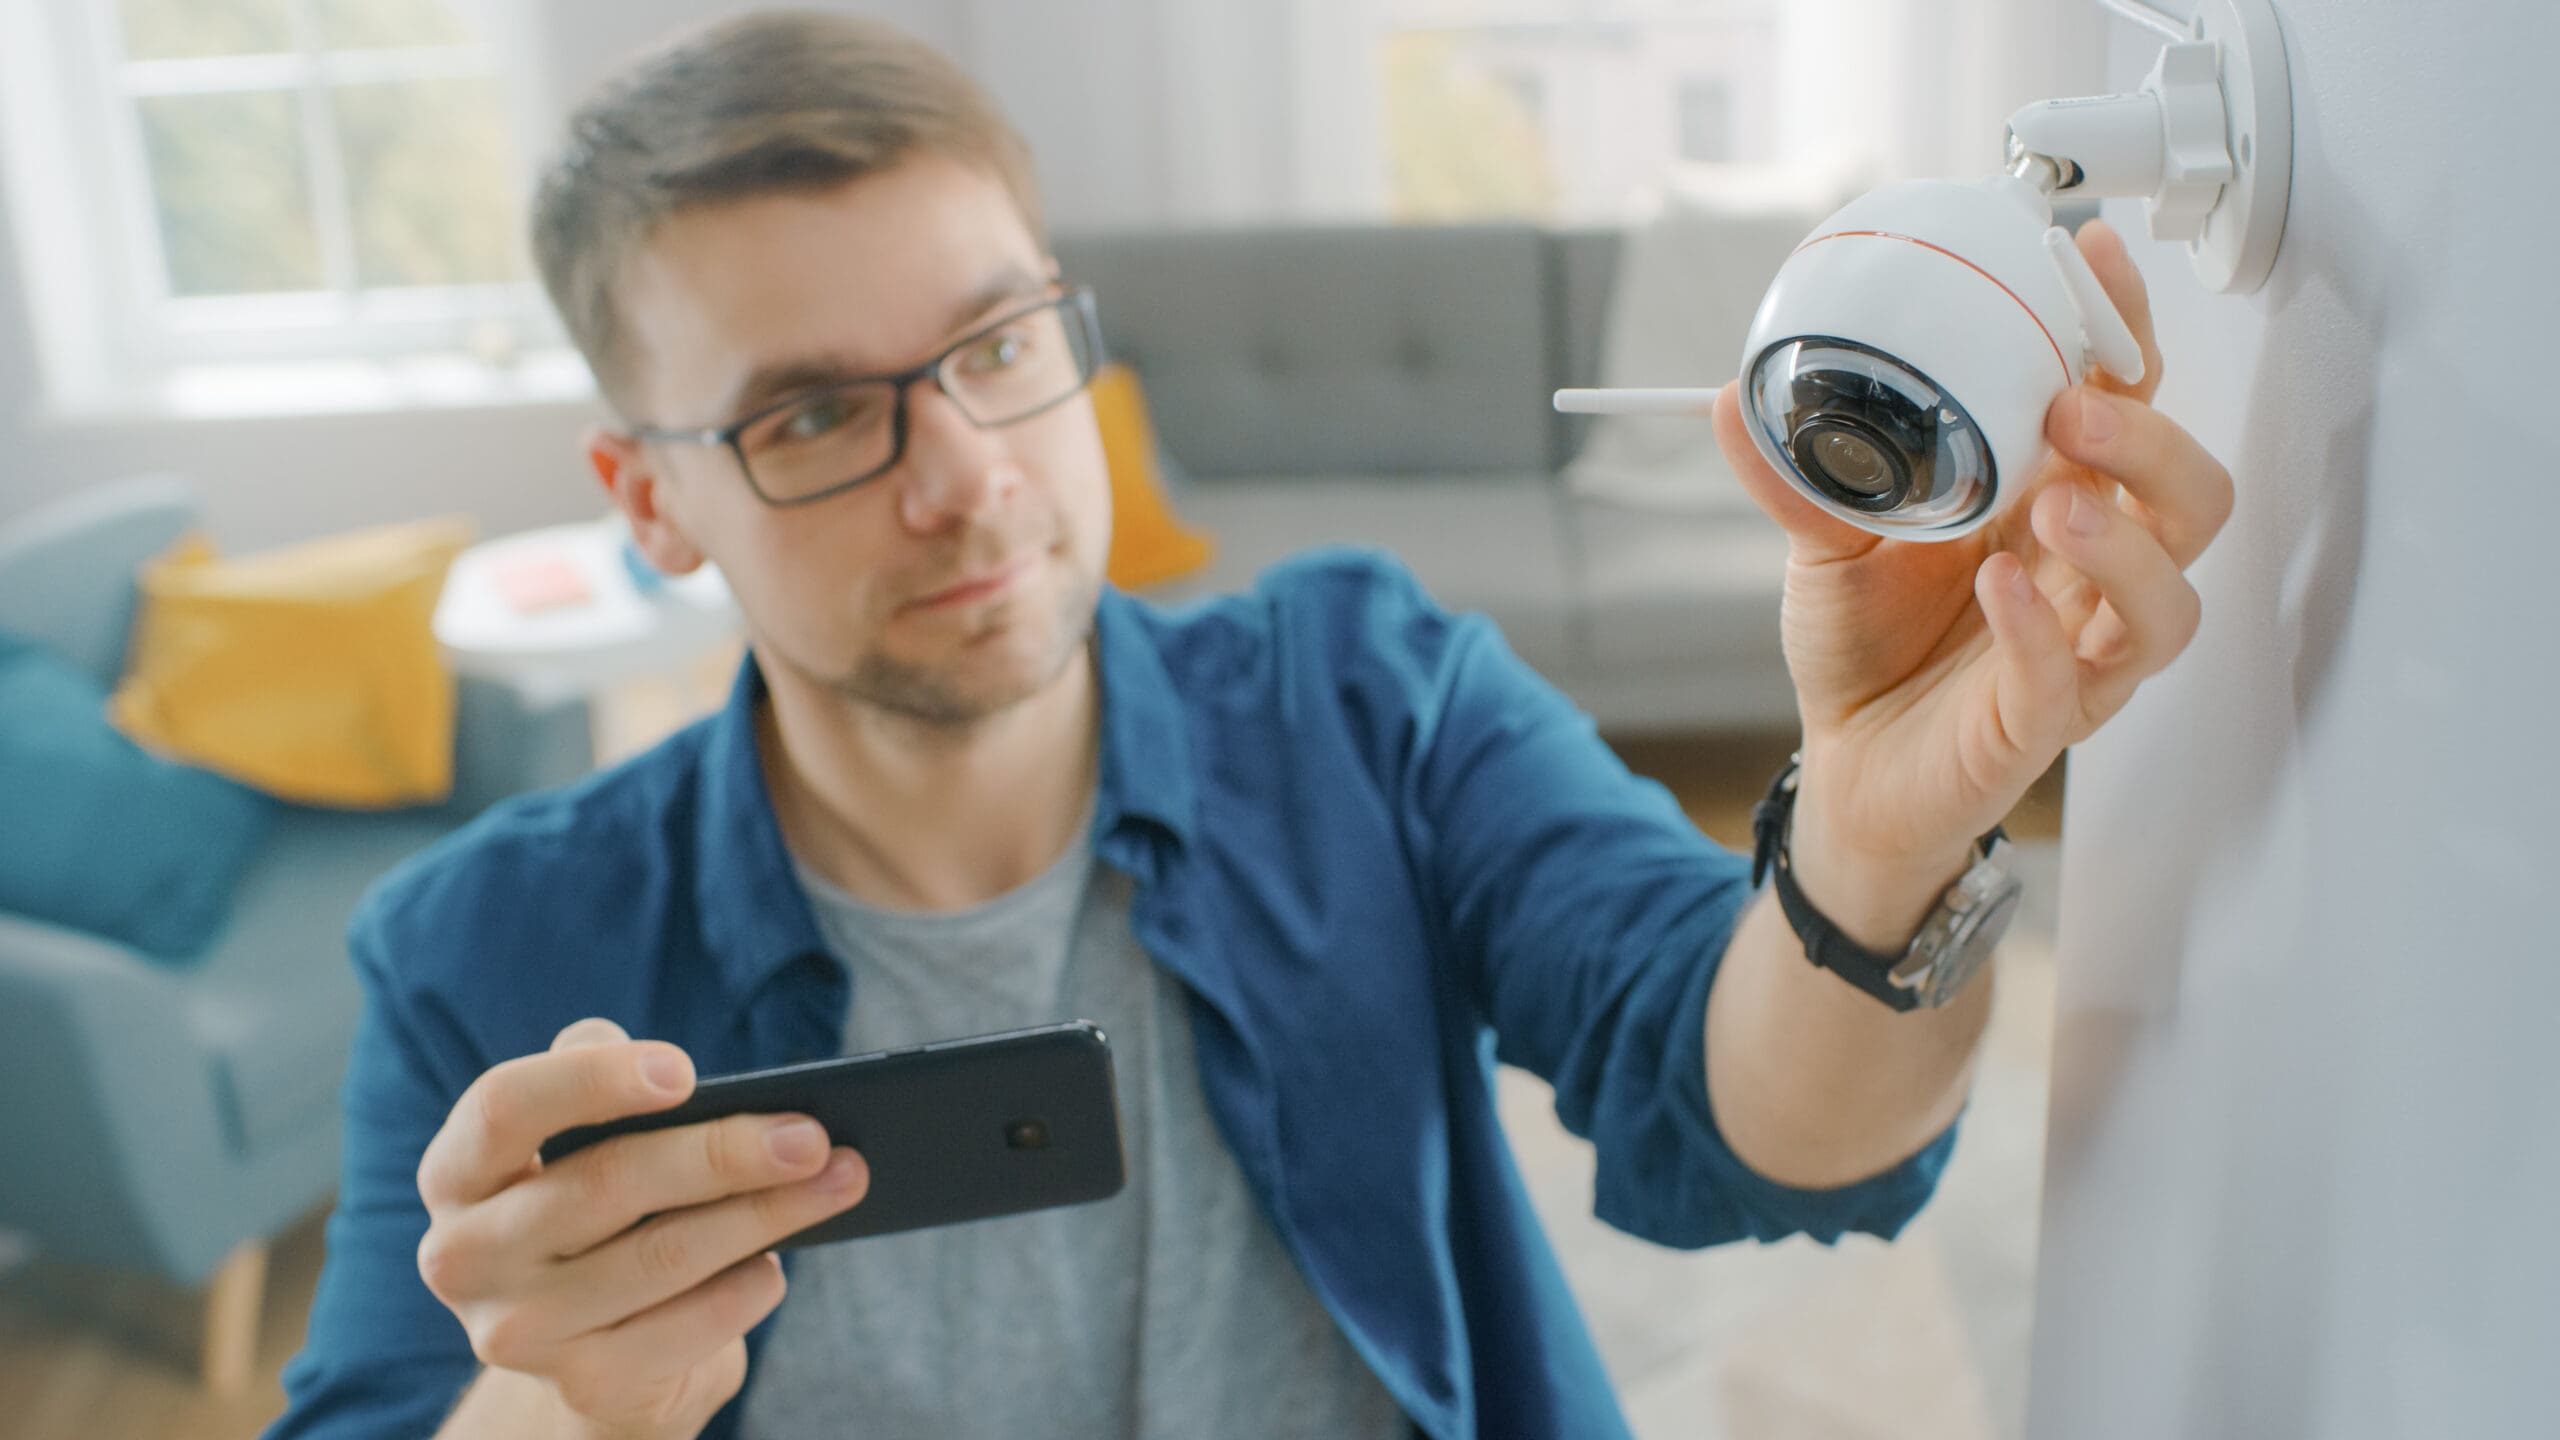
x,y
955,472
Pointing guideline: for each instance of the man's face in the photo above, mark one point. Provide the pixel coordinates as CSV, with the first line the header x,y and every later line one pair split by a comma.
x,y
960,582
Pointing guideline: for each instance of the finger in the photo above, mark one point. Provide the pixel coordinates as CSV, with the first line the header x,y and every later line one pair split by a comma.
x,y
673,1253
501,1121
2150,611
670,1338
1816,533
594,1030
2185,494
605,1189
2034,679
2104,249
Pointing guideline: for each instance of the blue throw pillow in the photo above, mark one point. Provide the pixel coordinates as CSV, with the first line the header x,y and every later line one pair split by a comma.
x,y
101,835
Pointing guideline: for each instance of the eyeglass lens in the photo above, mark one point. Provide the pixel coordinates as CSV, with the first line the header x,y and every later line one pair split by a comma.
x,y
1000,375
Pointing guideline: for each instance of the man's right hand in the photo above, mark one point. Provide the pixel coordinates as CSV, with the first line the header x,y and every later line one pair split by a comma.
x,y
624,1278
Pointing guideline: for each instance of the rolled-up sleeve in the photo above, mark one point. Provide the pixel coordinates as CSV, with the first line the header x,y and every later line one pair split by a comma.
x,y
1587,917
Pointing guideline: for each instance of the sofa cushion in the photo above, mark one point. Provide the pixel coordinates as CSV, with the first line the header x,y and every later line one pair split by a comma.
x,y
103,836
1670,588
1487,543
1371,350
275,1002
1582,266
311,672
1149,543
1686,287
1680,619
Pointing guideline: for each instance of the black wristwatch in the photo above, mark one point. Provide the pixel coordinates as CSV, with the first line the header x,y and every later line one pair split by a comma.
x,y
1953,942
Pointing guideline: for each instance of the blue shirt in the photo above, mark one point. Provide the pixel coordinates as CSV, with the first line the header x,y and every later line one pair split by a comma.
x,y
1380,851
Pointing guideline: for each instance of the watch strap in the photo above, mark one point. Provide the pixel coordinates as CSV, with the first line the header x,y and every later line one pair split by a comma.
x,y
1823,942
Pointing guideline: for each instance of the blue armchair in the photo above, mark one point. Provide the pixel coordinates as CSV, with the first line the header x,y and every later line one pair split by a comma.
x,y
173,1120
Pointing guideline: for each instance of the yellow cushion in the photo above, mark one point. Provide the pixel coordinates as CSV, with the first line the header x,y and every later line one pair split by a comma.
x,y
1149,546
310,672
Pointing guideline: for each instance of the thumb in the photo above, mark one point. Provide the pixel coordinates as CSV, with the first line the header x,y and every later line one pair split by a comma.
x,y
1818,535
594,1030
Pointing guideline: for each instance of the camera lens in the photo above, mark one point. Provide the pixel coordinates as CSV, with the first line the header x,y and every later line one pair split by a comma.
x,y
1848,457
1027,1135
1867,435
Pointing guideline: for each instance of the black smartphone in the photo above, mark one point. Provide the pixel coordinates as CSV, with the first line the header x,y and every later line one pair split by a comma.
x,y
956,1130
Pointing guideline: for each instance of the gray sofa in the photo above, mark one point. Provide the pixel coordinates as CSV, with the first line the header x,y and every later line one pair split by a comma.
x,y
1392,387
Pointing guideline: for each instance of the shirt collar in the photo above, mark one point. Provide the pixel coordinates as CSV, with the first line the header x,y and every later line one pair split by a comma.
x,y
755,919
754,916
1146,736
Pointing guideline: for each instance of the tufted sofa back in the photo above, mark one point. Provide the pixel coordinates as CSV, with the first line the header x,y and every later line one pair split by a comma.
x,y
67,570
1367,350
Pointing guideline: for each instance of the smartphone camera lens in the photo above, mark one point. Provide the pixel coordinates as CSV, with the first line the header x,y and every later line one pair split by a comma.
x,y
1027,1135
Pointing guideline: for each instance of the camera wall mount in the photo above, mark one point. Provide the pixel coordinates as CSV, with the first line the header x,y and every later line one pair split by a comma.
x,y
2207,142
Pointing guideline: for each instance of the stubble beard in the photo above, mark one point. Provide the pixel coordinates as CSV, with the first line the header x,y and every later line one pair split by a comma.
x,y
942,698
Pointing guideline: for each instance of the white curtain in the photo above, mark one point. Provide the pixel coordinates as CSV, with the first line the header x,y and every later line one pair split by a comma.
x,y
1938,79
1139,112
1175,112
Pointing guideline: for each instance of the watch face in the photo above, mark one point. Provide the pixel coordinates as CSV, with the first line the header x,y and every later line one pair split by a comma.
x,y
1972,938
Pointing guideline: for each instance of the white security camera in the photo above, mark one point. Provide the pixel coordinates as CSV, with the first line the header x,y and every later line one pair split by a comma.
x,y
1900,366
1899,369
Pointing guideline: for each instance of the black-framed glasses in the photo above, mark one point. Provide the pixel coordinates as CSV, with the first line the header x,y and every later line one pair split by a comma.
x,y
820,442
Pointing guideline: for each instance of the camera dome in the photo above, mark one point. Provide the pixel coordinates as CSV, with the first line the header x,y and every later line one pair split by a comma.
x,y
1868,432
1901,364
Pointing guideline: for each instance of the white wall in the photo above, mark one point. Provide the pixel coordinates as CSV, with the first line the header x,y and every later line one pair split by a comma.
x,y
2304,1159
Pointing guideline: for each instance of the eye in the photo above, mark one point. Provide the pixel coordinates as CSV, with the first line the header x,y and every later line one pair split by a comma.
x,y
825,415
999,351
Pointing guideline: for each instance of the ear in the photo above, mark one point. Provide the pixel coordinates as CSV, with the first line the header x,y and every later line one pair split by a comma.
x,y
631,480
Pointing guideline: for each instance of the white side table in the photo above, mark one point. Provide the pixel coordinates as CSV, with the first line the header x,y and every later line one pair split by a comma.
x,y
614,632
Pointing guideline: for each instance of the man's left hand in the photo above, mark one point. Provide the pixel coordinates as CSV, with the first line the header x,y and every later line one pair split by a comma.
x,y
1937,681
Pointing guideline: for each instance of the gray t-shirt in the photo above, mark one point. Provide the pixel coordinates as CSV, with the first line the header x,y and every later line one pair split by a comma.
x,y
1170,1310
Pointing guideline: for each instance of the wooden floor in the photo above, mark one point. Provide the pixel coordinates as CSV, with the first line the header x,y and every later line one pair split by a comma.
x,y
88,1356
1718,779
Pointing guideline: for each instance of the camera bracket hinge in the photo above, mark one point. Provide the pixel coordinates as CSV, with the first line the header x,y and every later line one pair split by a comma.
x,y
2207,142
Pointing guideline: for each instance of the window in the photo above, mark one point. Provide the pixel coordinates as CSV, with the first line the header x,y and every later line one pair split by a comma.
x,y
1569,111
1463,145
299,179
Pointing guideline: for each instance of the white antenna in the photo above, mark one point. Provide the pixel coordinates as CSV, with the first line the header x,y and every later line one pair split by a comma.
x,y
1636,402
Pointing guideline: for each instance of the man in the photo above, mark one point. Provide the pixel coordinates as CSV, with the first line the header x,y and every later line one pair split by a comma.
x,y
1313,856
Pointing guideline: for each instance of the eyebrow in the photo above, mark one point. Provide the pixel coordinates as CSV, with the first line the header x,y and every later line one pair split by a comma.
x,y
777,379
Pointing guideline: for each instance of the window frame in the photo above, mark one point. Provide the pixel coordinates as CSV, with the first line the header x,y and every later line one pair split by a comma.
x,y
158,333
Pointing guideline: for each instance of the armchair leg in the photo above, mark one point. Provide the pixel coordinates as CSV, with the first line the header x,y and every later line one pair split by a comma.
x,y
231,1305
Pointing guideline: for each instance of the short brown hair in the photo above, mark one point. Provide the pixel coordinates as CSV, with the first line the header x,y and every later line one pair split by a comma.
x,y
757,105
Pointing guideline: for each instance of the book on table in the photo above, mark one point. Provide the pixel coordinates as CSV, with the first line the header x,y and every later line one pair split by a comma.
x,y
548,580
